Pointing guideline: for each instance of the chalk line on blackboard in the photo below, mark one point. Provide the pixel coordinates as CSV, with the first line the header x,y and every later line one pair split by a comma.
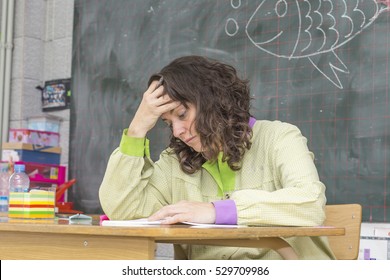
x,y
323,26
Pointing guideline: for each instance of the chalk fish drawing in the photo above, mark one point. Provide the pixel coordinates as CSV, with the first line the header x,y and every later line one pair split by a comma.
x,y
323,26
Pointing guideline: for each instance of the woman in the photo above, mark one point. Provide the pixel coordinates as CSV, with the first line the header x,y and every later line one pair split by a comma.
x,y
222,166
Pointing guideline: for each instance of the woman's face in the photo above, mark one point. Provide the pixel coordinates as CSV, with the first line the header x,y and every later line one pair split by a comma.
x,y
181,121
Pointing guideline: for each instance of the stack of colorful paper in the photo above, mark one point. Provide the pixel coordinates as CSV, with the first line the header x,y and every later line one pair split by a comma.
x,y
35,204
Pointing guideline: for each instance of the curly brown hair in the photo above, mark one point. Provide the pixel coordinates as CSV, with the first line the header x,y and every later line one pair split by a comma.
x,y
222,102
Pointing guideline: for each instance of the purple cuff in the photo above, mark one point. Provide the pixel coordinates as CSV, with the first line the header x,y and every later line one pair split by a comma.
x,y
225,212
252,122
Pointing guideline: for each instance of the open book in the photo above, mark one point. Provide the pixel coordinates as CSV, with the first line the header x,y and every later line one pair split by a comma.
x,y
144,223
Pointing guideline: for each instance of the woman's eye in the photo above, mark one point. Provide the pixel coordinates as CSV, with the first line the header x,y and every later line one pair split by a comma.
x,y
183,114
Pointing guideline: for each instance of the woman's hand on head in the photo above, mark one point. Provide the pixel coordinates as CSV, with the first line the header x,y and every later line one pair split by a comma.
x,y
154,103
186,211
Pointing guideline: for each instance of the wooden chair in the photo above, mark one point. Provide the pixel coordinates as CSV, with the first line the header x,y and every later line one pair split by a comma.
x,y
345,247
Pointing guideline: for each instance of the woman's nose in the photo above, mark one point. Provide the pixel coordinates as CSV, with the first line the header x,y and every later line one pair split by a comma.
x,y
177,129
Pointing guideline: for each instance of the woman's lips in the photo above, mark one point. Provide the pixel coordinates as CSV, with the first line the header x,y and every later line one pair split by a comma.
x,y
188,140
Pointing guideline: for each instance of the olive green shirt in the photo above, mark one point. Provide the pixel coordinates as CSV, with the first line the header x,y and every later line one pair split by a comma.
x,y
278,184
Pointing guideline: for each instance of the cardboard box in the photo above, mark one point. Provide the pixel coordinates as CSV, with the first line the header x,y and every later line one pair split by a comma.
x,y
374,248
36,137
46,123
31,153
382,232
374,241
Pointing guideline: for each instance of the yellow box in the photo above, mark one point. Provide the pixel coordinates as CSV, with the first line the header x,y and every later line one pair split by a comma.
x,y
38,203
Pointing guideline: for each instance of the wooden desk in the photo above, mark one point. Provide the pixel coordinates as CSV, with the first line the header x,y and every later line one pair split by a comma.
x,y
59,240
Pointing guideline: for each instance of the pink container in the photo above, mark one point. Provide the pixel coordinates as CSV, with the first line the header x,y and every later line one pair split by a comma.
x,y
45,175
36,137
49,173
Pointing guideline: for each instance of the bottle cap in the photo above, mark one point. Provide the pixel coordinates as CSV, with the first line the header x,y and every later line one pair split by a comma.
x,y
4,167
19,167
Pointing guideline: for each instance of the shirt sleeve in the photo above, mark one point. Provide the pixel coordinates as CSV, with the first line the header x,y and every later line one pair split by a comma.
x,y
291,193
226,212
133,186
131,146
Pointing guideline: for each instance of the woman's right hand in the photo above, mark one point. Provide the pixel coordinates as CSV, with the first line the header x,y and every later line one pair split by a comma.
x,y
154,103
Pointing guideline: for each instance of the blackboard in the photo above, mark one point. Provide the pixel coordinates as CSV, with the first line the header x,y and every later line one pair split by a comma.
x,y
322,65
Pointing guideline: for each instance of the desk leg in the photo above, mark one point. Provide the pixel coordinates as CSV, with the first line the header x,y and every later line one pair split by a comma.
x,y
50,246
275,243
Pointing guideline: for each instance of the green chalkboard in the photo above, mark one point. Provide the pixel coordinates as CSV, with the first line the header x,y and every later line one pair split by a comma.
x,y
322,65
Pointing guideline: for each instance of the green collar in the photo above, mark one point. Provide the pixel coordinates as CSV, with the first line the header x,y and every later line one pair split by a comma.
x,y
222,174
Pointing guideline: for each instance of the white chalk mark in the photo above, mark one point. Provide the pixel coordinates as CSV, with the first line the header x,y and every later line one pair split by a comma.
x,y
336,80
308,29
279,10
235,6
299,34
346,17
151,10
235,27
332,27
319,27
356,9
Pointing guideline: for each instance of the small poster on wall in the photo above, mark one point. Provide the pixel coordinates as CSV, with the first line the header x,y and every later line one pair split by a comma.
x,y
56,95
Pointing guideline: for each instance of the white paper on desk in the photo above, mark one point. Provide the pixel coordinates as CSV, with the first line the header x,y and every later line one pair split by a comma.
x,y
198,225
145,222
130,223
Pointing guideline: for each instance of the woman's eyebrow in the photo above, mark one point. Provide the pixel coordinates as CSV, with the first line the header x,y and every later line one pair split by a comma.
x,y
164,119
174,109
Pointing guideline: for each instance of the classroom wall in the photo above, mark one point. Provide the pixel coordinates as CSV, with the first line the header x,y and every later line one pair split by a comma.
x,y
42,51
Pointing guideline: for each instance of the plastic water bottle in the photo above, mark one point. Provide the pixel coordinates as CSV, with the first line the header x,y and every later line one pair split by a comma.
x,y
19,181
19,184
4,187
